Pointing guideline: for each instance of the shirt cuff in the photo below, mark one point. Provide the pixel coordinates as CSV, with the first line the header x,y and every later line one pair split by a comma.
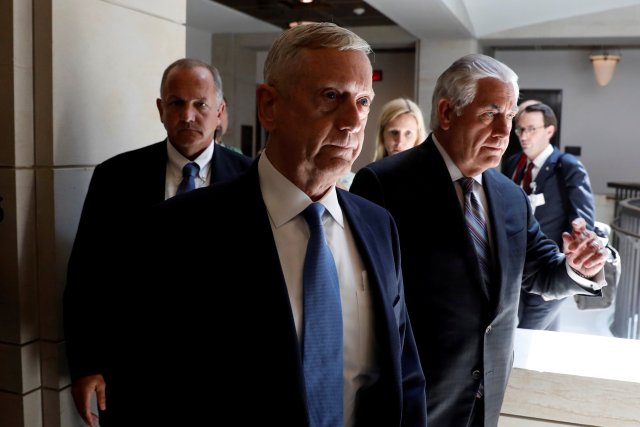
x,y
594,284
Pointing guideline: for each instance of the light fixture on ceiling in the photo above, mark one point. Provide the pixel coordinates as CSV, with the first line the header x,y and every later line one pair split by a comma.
x,y
604,64
306,1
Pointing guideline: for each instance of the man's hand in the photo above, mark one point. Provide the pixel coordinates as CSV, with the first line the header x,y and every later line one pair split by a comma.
x,y
82,389
585,254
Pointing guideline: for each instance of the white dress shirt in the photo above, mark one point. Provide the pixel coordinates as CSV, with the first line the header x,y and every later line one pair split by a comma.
x,y
591,285
285,203
538,162
177,161
478,189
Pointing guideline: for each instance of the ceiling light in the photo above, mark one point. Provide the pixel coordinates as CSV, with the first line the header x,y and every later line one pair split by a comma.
x,y
306,1
359,10
603,67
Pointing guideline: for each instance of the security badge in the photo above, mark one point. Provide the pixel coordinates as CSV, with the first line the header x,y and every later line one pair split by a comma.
x,y
536,199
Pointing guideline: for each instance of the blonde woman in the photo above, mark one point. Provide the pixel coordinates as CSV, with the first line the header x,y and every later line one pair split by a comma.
x,y
400,127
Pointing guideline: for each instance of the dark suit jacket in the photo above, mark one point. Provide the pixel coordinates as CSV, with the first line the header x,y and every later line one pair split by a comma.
x,y
464,331
567,193
254,375
122,188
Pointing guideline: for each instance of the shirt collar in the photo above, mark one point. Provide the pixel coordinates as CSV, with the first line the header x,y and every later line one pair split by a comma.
x,y
542,157
284,201
178,161
454,171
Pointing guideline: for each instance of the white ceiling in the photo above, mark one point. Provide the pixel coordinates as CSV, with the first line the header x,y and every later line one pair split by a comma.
x,y
498,22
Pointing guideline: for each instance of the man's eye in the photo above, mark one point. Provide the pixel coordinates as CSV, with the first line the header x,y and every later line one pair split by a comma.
x,y
365,102
331,95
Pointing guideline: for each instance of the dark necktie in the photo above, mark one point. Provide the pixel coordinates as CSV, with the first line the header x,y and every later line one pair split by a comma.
x,y
322,327
477,224
189,173
526,180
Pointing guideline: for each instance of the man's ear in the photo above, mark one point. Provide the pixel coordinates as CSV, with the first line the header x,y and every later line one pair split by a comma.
x,y
160,107
266,97
445,110
550,130
221,108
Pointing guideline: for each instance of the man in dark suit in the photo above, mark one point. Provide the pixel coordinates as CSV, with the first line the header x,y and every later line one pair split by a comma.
x,y
463,288
559,191
314,105
122,189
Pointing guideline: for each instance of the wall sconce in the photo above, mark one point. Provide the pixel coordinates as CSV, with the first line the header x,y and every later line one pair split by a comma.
x,y
603,67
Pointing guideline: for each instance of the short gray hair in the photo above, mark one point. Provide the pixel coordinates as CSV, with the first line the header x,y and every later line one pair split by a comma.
x,y
459,82
317,35
194,63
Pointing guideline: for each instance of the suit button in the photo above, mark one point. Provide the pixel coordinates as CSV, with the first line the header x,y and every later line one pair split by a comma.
x,y
488,330
476,375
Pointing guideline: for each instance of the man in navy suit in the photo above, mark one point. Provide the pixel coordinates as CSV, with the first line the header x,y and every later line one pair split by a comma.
x,y
122,189
463,296
559,191
314,105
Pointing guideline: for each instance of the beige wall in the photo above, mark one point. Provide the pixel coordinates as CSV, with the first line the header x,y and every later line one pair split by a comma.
x,y
81,78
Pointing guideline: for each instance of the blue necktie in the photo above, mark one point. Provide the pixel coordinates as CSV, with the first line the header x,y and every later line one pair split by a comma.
x,y
189,173
322,328
477,224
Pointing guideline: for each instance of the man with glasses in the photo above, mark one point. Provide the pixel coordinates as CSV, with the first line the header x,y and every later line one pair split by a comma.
x,y
559,191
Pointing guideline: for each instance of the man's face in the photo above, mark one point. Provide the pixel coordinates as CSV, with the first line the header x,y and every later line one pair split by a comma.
x,y
477,138
317,116
188,110
534,137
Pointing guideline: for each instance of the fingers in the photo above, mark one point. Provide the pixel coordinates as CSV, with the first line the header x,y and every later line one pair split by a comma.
x,y
101,397
590,254
579,225
82,390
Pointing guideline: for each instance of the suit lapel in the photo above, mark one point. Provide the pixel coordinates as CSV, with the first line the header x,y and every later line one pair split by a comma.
x,y
497,209
154,174
446,195
547,170
374,262
219,167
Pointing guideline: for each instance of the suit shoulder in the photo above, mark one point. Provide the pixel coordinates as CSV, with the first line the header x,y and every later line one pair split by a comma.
x,y
568,160
232,156
395,164
367,207
132,157
505,183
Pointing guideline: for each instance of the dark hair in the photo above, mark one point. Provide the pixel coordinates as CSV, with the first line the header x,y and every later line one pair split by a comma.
x,y
548,115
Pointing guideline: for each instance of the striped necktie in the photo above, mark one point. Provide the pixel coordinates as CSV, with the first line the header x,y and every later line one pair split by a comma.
x,y
477,224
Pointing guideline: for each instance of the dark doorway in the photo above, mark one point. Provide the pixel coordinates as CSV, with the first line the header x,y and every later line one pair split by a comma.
x,y
551,97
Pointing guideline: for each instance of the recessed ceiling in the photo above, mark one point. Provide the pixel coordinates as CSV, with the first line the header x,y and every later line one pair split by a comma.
x,y
492,22
346,13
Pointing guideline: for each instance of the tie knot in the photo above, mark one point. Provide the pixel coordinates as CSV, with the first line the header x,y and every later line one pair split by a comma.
x,y
190,170
313,215
530,166
467,184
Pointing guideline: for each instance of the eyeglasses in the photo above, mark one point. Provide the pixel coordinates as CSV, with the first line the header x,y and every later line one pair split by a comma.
x,y
530,129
